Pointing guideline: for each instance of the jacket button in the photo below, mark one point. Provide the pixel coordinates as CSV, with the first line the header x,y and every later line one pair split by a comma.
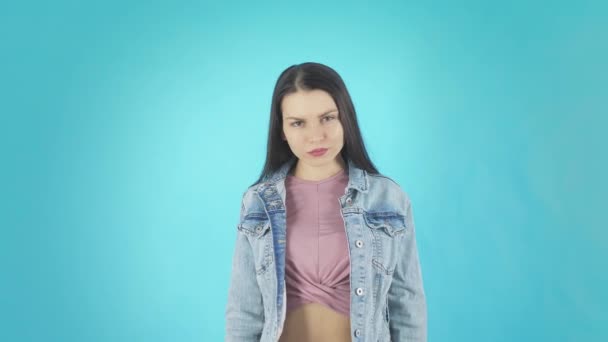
x,y
349,201
359,243
359,291
357,332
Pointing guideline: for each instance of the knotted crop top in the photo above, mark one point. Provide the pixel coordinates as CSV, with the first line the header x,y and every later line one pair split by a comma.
x,y
317,264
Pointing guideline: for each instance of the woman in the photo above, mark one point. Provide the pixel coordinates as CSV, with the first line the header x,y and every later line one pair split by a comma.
x,y
326,247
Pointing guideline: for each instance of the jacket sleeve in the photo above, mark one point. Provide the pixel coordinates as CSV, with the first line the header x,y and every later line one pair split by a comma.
x,y
406,297
244,309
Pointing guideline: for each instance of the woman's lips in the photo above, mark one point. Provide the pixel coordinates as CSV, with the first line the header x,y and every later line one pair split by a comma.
x,y
318,152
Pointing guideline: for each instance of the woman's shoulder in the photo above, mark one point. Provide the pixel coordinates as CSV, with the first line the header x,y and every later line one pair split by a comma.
x,y
388,185
385,180
250,200
250,191
380,177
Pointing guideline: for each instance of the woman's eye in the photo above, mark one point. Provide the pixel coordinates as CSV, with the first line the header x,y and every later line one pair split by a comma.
x,y
298,123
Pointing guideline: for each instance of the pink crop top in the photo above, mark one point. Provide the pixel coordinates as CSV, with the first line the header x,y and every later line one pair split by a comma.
x,y
317,265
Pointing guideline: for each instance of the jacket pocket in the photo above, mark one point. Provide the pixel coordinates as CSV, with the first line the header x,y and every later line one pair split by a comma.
x,y
387,229
392,224
257,228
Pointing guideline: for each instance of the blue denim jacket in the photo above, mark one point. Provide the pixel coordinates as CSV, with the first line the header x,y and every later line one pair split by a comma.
x,y
387,301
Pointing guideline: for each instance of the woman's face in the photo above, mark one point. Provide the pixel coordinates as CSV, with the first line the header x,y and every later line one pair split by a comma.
x,y
311,121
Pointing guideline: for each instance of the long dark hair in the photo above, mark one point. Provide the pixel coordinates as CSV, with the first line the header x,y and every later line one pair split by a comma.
x,y
309,76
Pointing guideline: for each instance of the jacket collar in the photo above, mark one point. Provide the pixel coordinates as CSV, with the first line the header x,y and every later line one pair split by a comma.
x,y
357,178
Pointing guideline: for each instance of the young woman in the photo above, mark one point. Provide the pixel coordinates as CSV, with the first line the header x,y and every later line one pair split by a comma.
x,y
326,247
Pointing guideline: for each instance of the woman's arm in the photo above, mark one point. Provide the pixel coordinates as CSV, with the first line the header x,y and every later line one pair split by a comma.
x,y
244,309
406,297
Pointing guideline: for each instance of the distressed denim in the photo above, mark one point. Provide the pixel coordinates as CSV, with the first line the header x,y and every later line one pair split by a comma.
x,y
387,301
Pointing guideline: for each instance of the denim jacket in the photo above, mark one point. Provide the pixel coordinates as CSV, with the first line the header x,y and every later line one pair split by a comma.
x,y
387,301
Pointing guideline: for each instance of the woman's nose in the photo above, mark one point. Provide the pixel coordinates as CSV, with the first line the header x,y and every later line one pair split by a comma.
x,y
316,134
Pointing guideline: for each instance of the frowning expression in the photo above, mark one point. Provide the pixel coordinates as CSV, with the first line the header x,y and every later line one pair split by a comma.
x,y
311,122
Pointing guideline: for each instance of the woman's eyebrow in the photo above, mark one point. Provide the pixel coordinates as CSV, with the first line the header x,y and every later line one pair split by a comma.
x,y
320,115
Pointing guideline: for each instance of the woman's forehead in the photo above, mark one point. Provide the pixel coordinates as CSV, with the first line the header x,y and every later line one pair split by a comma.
x,y
307,104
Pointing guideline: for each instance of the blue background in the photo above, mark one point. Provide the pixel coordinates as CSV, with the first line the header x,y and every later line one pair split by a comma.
x,y
129,131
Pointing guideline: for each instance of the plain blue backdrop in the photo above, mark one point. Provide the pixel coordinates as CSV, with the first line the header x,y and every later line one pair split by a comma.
x,y
129,131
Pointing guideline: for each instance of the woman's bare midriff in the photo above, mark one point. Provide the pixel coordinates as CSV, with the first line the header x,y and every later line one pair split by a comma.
x,y
315,322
